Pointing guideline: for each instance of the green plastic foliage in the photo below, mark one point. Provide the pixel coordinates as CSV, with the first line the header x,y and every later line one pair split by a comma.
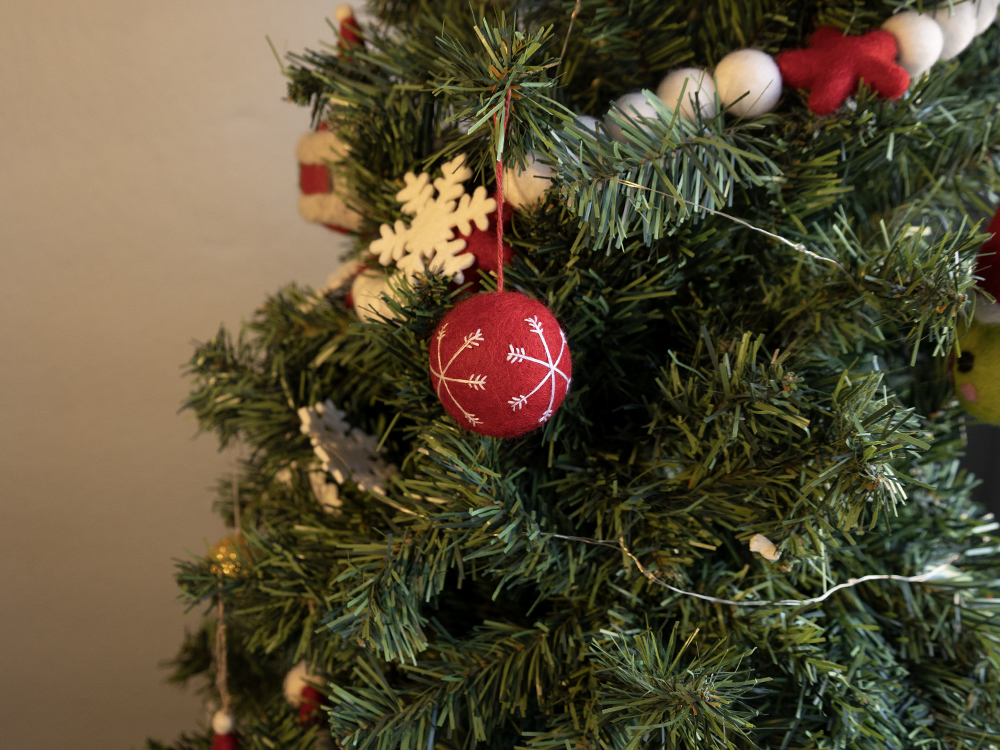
x,y
760,314
666,171
651,687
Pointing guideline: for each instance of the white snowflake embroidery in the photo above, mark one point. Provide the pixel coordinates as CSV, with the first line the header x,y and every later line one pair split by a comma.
x,y
518,355
475,382
429,244
344,452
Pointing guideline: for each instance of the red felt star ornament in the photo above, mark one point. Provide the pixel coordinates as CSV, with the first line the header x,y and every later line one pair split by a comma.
x,y
834,64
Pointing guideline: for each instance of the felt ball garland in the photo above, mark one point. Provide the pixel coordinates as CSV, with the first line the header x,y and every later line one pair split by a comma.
x,y
747,82
697,88
919,39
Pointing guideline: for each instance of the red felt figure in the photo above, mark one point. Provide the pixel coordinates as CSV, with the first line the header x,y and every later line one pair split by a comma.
x,y
834,64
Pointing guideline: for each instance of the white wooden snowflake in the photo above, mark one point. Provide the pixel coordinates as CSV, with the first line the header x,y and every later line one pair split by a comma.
x,y
430,243
343,451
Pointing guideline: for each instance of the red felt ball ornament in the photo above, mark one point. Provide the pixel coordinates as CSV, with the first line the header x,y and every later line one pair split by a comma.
x,y
500,364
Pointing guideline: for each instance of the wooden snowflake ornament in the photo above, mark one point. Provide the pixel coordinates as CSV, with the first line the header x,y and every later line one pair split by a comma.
x,y
500,364
430,243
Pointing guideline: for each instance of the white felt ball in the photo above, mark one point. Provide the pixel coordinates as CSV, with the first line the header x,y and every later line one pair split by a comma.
x,y
959,28
584,123
222,722
525,188
919,39
750,72
343,12
698,87
986,14
633,106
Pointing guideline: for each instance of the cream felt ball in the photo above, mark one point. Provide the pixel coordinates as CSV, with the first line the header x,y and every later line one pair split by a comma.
x,y
298,677
986,14
698,88
500,364
633,106
958,25
366,295
750,72
222,722
525,188
919,40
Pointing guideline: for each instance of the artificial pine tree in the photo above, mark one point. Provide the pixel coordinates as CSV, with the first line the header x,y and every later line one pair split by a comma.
x,y
746,526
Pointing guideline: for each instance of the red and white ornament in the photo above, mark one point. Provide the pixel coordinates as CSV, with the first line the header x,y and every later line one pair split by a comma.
x,y
223,735
301,693
322,198
322,194
500,364
350,31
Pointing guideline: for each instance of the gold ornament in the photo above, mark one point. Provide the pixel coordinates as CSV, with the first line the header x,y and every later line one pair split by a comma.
x,y
229,557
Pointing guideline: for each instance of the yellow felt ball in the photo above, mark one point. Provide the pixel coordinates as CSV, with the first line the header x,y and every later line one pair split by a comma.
x,y
977,372
229,557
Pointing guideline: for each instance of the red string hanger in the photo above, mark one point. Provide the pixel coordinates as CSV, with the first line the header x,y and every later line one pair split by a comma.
x,y
500,362
499,173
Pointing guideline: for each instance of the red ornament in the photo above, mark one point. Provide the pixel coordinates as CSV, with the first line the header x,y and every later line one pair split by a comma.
x,y
350,31
500,364
309,708
225,742
834,63
223,731
483,244
988,265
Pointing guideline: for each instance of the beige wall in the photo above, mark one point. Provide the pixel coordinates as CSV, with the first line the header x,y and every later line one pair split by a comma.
x,y
147,192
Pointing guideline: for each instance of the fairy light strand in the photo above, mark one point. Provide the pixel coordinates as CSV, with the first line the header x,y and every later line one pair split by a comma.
x,y
649,575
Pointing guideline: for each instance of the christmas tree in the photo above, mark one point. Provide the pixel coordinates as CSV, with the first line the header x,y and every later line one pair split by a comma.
x,y
737,243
